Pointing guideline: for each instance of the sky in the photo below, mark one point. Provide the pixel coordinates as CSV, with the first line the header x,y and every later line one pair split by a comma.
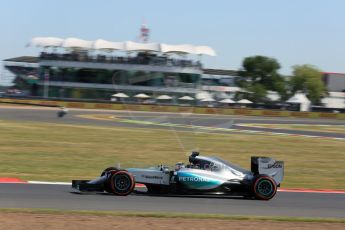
x,y
292,31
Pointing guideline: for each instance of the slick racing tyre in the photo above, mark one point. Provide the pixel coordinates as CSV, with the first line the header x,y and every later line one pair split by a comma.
x,y
109,169
107,186
122,183
264,187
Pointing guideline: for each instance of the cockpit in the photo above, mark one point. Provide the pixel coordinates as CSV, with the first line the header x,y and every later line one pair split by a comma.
x,y
213,164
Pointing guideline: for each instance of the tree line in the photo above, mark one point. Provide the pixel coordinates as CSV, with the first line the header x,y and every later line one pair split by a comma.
x,y
260,74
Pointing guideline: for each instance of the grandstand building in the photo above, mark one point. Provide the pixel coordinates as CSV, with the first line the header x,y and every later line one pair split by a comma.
x,y
75,68
335,82
335,85
78,69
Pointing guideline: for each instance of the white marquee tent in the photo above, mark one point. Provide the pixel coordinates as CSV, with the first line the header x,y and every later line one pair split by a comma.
x,y
120,95
301,99
210,99
187,98
227,101
244,101
164,97
142,96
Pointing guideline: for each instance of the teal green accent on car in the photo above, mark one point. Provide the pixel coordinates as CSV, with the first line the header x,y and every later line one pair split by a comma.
x,y
194,181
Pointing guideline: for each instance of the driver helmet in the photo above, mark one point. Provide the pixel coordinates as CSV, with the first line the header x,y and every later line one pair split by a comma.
x,y
178,166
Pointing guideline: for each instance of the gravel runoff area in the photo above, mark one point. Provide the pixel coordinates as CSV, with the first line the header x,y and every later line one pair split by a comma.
x,y
19,221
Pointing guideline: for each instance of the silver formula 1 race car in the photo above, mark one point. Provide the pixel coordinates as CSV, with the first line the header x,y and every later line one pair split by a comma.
x,y
202,176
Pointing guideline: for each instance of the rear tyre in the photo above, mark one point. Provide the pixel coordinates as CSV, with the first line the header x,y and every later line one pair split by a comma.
x,y
264,187
122,183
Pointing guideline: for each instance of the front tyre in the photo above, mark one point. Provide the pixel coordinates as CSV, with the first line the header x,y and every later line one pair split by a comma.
x,y
264,187
122,183
108,170
107,186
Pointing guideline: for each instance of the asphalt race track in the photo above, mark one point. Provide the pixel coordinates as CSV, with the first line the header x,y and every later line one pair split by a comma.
x,y
213,121
62,197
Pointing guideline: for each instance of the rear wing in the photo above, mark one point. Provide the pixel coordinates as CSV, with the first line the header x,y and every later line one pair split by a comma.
x,y
268,166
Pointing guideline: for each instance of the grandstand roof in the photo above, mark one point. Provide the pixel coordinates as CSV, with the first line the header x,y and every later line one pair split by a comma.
x,y
134,46
46,42
25,59
76,43
333,73
100,44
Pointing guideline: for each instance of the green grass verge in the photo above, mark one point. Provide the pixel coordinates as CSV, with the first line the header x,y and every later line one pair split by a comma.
x,y
172,215
62,152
